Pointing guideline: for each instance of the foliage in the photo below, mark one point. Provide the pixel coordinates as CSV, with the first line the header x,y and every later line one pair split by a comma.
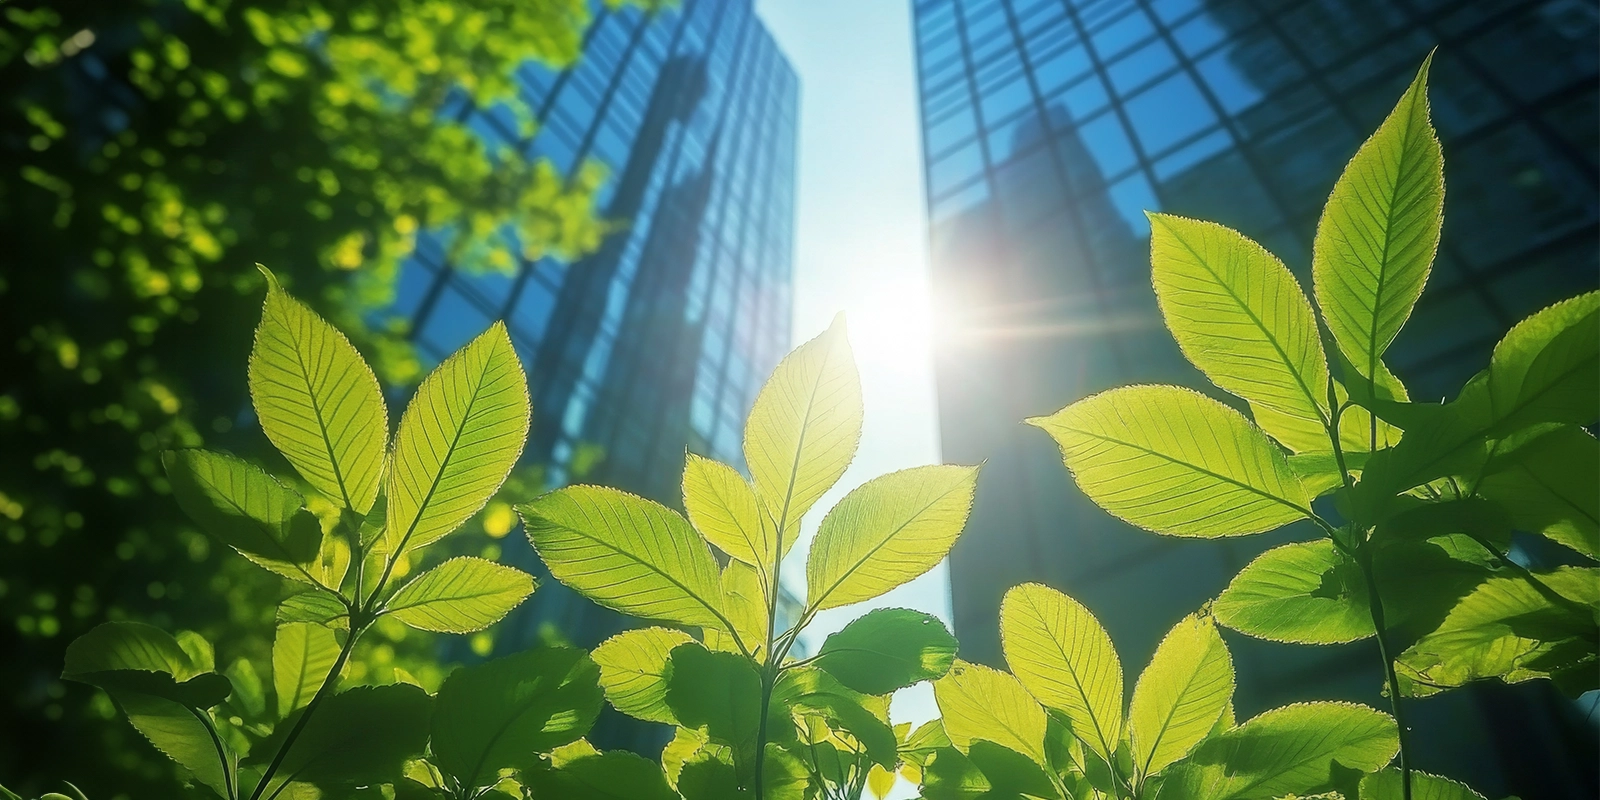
x,y
1417,502
1056,726
152,151
320,404
750,720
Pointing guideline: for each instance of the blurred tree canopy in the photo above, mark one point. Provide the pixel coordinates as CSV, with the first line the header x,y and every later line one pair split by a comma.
x,y
154,150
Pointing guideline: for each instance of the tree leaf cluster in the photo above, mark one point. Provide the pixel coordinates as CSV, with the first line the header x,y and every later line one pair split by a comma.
x,y
1417,503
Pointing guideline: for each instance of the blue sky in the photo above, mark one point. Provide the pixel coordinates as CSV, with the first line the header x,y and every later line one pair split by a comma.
x,y
861,248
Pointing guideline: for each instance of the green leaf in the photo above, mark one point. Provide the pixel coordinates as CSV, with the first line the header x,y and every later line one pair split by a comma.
x,y
804,427
1376,241
318,401
1011,773
462,595
302,656
1508,629
316,606
744,602
1306,592
634,670
723,508
1387,785
1240,316
720,692
950,775
888,649
1319,472
1288,750
808,692
249,696
179,734
246,509
502,713
617,775
1550,489
626,553
1174,461
132,657
457,441
1545,370
977,702
886,532
1180,696
362,735
1059,651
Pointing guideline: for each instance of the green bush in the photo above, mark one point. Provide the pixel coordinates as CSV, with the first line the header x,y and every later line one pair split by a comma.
x,y
1417,503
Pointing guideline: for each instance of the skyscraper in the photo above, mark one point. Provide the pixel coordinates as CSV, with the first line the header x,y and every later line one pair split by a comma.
x,y
1051,125
659,341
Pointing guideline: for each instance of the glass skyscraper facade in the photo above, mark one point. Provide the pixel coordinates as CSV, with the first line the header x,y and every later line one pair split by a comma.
x,y
1050,126
659,341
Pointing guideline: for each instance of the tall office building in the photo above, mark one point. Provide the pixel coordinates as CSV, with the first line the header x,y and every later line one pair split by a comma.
x,y
1051,125
659,341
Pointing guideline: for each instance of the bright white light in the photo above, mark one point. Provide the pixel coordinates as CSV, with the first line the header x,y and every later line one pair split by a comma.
x,y
888,309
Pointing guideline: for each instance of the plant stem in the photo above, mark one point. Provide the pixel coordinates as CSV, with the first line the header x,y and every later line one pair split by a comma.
x,y
316,700
222,753
1375,606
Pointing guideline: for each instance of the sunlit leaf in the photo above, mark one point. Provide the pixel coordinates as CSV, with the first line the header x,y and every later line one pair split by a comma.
x,y
744,602
1388,785
303,654
317,400
1241,317
723,508
316,606
1306,592
504,713
178,734
634,667
1288,750
1376,241
626,553
811,692
804,427
1179,697
888,649
1508,629
246,509
457,441
1546,370
1551,489
462,595
1174,461
977,702
132,657
886,532
1059,651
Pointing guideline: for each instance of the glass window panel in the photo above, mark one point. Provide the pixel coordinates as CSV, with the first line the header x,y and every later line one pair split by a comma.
x,y
955,169
1199,33
415,279
1122,35
1061,69
531,314
1084,98
1016,136
1107,144
1138,67
1168,112
962,201
1132,196
1217,184
452,321
1170,11
1193,153
943,135
1005,100
1234,91
1028,188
